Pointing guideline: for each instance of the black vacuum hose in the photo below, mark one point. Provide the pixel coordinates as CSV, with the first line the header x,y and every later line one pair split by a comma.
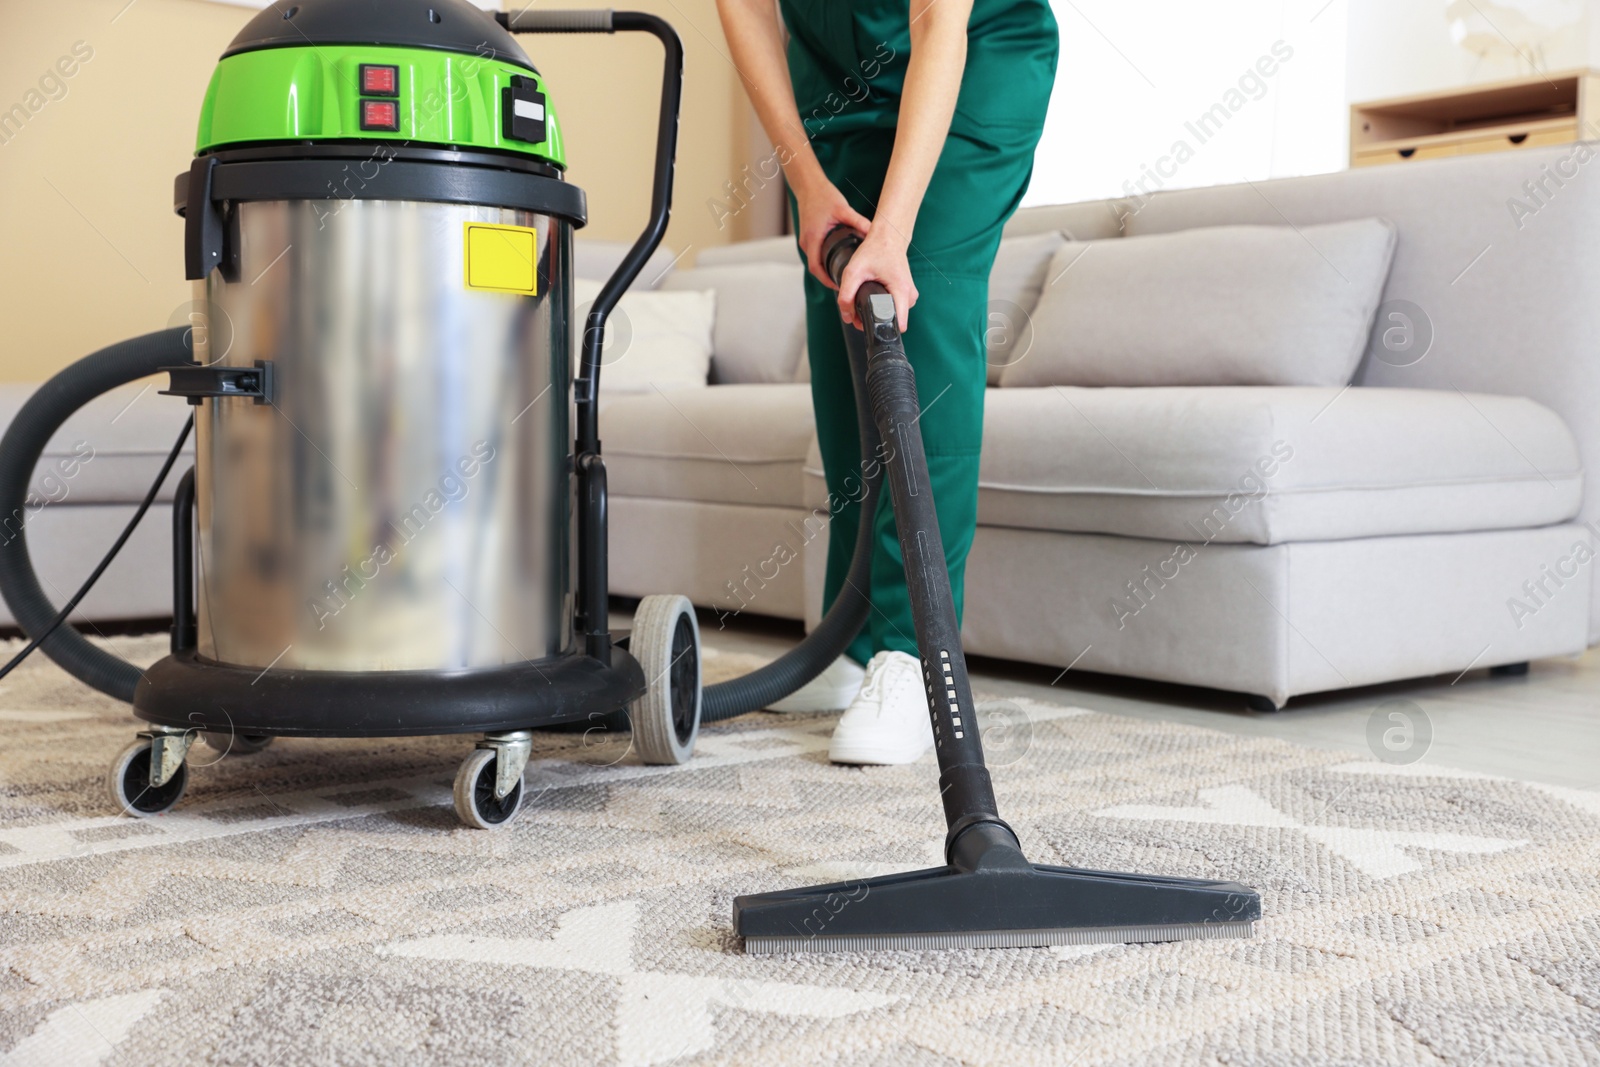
x,y
771,683
24,442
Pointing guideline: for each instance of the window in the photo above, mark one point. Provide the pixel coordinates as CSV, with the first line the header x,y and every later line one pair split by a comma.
x,y
1169,94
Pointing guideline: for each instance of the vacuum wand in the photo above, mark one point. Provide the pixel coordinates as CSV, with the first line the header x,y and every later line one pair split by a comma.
x,y
892,391
988,895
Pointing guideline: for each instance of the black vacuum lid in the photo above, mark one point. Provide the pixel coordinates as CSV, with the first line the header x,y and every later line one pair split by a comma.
x,y
446,25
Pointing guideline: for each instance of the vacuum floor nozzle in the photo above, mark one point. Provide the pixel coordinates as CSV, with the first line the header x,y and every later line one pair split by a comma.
x,y
990,896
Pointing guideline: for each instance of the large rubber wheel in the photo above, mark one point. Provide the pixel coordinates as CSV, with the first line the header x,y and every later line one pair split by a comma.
x,y
129,783
235,744
666,642
476,804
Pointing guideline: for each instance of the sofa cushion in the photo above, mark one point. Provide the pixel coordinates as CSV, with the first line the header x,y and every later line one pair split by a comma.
x,y
654,340
728,444
761,318
1225,305
111,449
1015,281
1266,465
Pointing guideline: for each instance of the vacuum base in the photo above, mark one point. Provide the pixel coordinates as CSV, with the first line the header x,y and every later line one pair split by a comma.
x,y
187,691
990,896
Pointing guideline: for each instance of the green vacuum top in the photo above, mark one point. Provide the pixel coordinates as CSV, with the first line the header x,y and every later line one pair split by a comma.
x,y
423,72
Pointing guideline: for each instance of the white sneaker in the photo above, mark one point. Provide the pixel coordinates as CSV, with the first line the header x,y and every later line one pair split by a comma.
x,y
832,690
888,720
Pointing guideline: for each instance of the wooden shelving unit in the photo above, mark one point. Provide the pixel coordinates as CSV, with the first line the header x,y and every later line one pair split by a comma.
x,y
1558,108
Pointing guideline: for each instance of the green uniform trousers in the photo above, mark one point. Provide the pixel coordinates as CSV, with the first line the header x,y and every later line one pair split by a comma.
x,y
847,61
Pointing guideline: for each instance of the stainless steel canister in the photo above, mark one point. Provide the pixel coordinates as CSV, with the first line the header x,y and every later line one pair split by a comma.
x,y
404,500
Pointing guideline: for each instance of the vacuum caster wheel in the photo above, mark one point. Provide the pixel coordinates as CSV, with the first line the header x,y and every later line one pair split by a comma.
x,y
235,744
129,782
666,642
476,803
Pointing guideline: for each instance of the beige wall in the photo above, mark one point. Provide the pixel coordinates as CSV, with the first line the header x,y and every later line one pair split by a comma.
x,y
92,250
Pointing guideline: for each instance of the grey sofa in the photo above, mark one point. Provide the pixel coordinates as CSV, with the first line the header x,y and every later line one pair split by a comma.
x,y
1434,518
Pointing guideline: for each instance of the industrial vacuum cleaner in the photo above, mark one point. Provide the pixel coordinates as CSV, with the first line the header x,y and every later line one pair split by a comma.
x,y
396,519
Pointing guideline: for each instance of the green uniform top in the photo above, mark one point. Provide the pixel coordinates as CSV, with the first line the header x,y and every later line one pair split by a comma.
x,y
847,60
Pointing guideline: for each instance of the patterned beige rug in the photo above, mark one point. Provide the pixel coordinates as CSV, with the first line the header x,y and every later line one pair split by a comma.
x,y
318,904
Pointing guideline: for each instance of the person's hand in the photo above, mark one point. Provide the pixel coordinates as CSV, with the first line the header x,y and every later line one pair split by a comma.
x,y
822,208
881,258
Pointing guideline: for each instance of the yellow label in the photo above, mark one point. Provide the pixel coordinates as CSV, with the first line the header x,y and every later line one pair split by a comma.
x,y
501,259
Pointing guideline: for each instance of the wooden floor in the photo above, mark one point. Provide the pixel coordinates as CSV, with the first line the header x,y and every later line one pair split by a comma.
x,y
1542,727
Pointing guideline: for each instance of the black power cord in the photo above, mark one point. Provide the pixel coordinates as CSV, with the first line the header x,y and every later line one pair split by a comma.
x,y
122,539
